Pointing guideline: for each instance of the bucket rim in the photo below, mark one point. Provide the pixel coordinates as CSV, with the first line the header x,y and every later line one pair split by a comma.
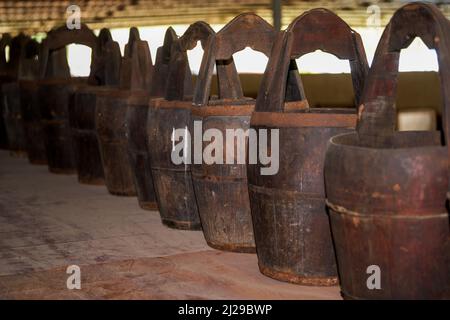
x,y
336,143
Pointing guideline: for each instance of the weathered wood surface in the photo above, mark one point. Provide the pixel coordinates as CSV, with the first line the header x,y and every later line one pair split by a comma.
x,y
30,104
386,190
111,118
291,226
56,93
83,110
173,183
136,122
221,189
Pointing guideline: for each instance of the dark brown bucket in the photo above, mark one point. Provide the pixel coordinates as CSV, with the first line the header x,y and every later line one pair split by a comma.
x,y
386,190
173,182
14,123
105,71
112,105
12,115
221,189
28,74
29,101
290,221
55,93
34,131
5,76
136,121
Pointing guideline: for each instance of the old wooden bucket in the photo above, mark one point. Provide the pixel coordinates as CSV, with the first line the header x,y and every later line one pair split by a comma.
x,y
112,104
5,76
136,124
221,189
55,93
173,182
290,220
105,72
12,113
29,101
386,190
29,105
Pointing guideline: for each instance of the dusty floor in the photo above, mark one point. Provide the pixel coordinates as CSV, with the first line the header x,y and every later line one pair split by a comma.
x,y
48,222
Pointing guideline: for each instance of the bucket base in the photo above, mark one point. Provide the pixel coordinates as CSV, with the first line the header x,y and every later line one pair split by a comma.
x,y
148,205
91,182
347,296
18,154
62,171
182,225
122,194
232,247
298,279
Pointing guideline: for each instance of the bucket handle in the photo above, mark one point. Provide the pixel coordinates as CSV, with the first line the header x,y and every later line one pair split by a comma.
x,y
61,37
162,60
246,30
179,83
112,63
137,68
317,29
28,65
377,114
98,67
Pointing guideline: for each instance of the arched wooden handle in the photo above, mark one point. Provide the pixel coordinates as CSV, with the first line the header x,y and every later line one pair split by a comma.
x,y
113,61
133,37
103,38
137,67
100,63
29,63
60,38
179,83
162,60
377,114
246,30
317,29
17,54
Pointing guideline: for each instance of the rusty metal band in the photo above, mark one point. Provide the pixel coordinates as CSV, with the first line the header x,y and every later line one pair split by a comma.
x,y
138,98
83,131
88,90
341,210
215,178
223,110
295,120
292,193
183,170
113,93
291,106
298,279
161,103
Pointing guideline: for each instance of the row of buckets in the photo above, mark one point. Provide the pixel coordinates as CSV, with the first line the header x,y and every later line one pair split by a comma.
x,y
353,202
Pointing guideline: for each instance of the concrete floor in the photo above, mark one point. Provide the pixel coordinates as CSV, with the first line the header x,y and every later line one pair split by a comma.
x,y
48,222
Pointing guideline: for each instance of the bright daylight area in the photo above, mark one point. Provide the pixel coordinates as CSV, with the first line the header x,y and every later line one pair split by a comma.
x,y
417,57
